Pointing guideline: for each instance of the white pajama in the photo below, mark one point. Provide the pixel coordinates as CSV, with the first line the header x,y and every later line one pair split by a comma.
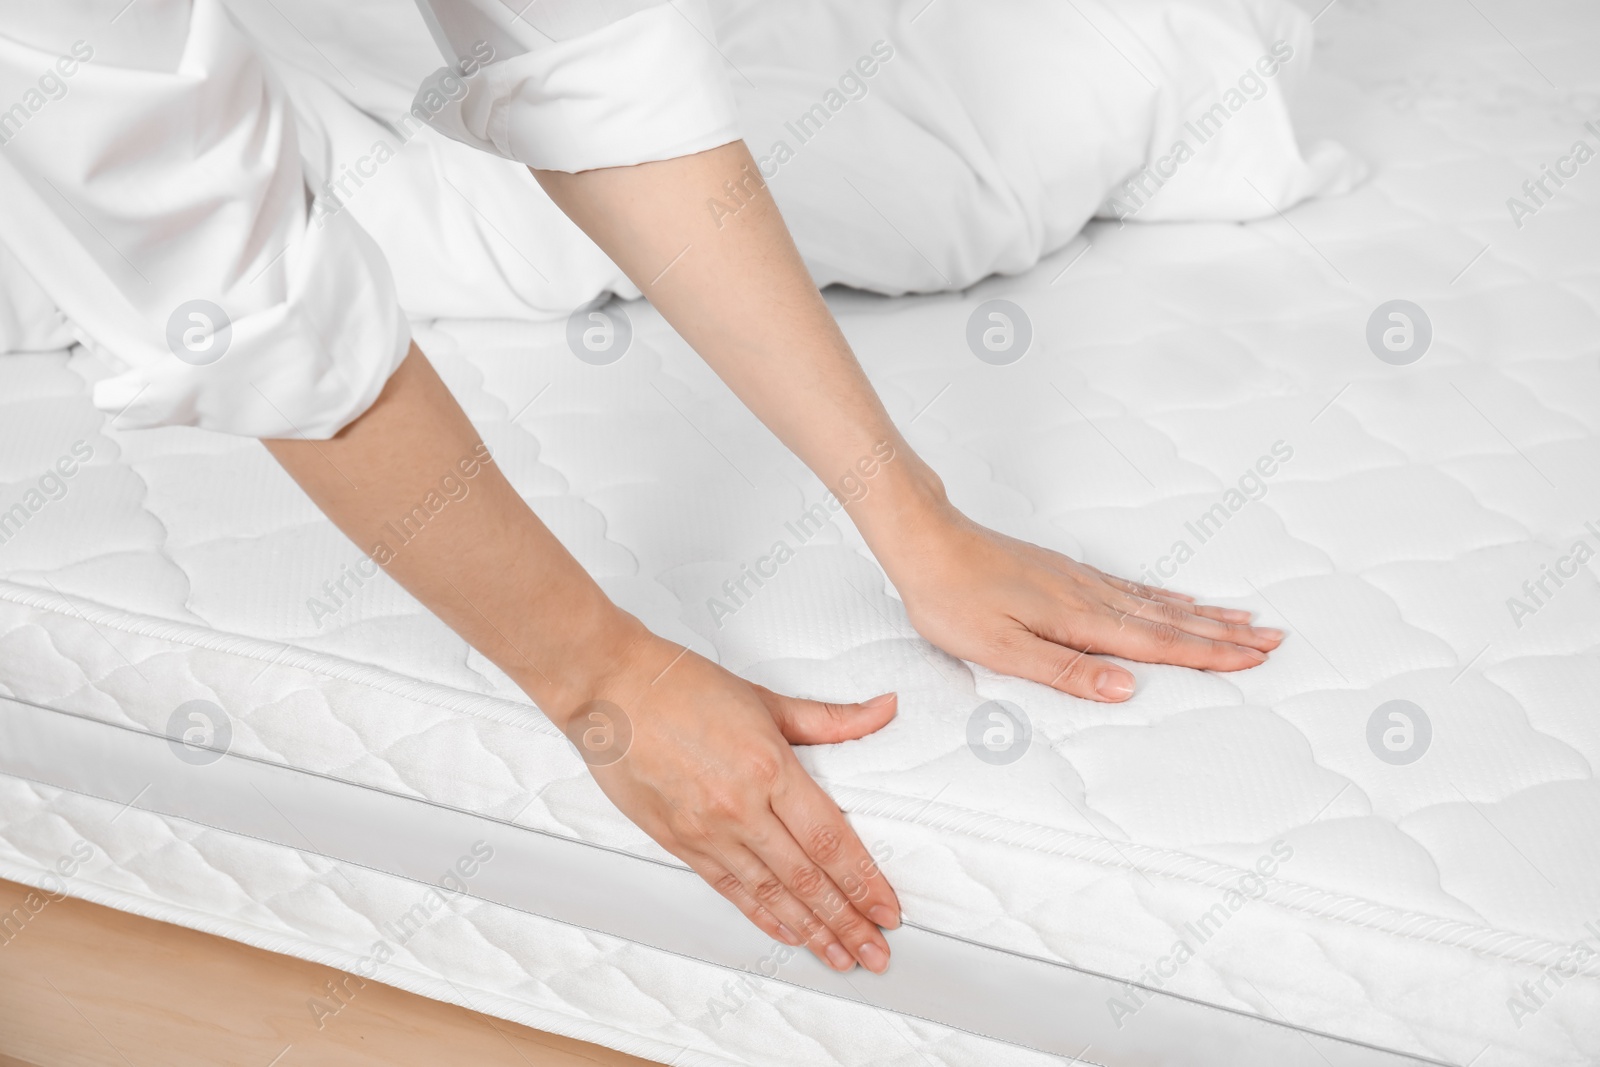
x,y
152,186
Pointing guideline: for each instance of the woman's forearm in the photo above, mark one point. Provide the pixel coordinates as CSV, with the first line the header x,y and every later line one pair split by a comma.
x,y
412,484
696,757
734,286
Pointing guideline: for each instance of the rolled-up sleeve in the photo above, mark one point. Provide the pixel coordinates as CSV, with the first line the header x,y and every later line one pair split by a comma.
x,y
574,85
152,187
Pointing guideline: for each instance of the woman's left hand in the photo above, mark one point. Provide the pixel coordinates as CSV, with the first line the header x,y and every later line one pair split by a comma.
x,y
1027,611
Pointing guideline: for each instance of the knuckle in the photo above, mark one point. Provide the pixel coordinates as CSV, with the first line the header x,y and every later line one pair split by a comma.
x,y
1009,642
724,805
769,890
1067,633
683,832
1170,614
727,884
806,925
850,926
762,768
829,907
825,844
1072,670
809,881
1165,635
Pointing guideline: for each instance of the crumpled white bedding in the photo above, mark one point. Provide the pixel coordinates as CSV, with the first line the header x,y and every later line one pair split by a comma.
x,y
912,147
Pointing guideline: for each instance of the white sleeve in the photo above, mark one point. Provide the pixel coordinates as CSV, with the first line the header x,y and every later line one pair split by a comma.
x,y
153,189
574,85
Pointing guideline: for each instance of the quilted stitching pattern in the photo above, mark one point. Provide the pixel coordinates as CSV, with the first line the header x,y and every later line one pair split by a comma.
x,y
1166,360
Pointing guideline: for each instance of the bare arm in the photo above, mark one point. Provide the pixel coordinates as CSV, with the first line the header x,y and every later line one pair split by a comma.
x,y
738,292
697,757
735,288
708,772
485,564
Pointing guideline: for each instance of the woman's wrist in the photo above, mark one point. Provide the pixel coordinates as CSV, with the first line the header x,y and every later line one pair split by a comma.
x,y
901,508
594,648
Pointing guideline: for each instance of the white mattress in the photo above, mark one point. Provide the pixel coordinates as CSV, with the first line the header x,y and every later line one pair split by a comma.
x,y
1417,901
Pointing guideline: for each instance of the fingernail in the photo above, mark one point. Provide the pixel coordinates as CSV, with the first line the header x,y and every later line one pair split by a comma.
x,y
874,958
884,916
878,701
1237,615
788,936
1114,685
1254,653
838,958
1272,633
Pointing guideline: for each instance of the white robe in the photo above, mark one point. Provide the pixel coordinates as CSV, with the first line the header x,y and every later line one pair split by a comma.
x,y
154,190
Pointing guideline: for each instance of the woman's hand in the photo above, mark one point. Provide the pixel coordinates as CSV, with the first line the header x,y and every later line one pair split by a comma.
x,y
700,760
1024,610
697,757
745,301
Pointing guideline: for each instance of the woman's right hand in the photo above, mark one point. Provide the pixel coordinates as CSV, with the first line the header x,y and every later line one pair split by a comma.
x,y
699,759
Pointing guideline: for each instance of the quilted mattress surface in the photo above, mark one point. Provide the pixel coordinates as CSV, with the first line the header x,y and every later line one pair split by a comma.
x,y
1384,840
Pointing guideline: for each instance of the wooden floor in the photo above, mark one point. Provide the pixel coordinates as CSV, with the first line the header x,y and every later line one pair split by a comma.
x,y
85,986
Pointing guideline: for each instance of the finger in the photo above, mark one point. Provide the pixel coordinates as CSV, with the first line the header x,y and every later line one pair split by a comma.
x,y
1262,638
1124,634
740,876
735,870
769,889
1069,670
789,856
734,890
1141,589
1211,611
815,821
1156,592
814,722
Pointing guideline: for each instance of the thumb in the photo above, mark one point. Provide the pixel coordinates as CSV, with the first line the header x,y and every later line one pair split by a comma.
x,y
814,722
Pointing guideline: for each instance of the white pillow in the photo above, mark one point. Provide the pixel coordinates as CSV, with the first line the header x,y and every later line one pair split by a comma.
x,y
996,130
